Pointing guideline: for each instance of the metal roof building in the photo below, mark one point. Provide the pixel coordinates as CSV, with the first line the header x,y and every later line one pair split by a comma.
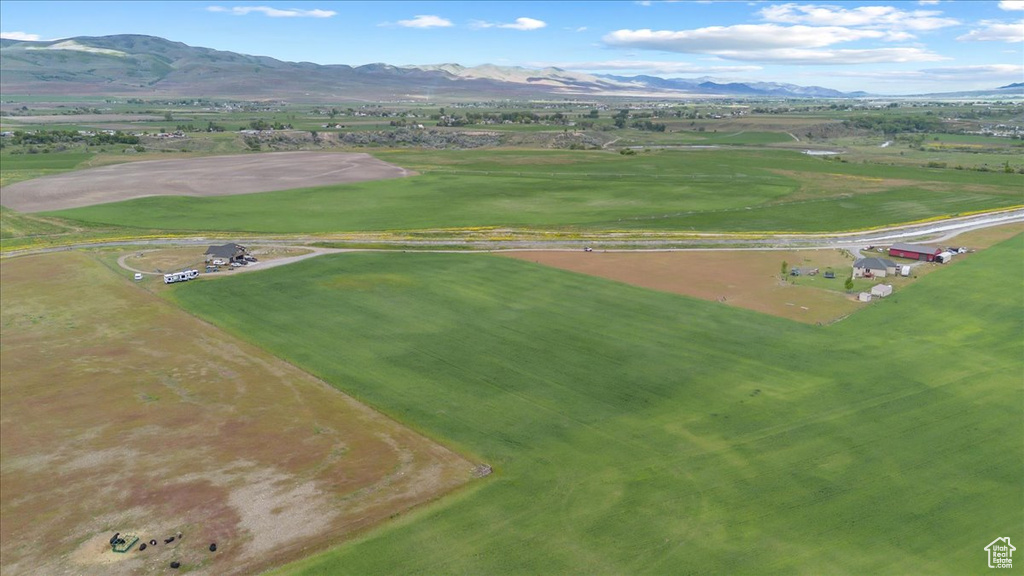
x,y
914,251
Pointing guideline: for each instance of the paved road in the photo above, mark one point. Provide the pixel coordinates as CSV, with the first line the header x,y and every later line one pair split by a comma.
x,y
933,232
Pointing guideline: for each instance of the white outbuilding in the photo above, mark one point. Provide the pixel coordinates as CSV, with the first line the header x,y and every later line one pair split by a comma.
x,y
864,297
881,290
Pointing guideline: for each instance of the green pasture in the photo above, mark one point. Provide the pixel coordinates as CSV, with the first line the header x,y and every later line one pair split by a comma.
x,y
689,136
16,225
664,190
18,167
637,432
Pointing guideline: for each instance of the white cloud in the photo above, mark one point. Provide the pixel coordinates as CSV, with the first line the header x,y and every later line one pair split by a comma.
x,y
827,57
994,31
426,21
1012,4
1000,70
773,43
273,12
739,38
927,2
646,66
863,16
519,24
947,79
20,36
984,75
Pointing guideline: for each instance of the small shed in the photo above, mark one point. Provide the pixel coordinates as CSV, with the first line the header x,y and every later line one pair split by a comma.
x,y
864,297
914,251
944,257
878,267
881,290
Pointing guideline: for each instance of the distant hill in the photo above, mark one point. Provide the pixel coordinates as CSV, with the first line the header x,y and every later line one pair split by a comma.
x,y
141,66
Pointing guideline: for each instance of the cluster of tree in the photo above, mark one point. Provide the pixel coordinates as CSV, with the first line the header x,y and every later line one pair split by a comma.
x,y
515,117
80,110
896,124
210,127
421,138
264,125
43,137
648,126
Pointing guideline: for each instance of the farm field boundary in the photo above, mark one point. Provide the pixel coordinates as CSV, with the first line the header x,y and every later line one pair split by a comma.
x,y
594,399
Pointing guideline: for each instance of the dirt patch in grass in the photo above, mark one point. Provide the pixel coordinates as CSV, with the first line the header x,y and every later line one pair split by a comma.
x,y
814,183
746,279
122,413
210,176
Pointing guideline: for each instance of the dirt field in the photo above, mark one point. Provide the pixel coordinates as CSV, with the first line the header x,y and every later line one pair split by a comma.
x,y
211,176
82,118
747,279
121,413
750,279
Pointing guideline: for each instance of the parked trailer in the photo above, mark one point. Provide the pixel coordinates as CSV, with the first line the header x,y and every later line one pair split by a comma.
x,y
944,257
183,276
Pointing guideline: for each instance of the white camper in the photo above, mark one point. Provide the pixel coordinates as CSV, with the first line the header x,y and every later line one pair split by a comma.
x,y
183,276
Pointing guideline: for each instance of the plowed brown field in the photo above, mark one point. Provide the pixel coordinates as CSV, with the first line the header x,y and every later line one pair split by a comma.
x,y
210,176
747,279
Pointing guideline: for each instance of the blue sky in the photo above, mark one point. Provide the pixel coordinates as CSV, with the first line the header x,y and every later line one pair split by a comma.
x,y
881,47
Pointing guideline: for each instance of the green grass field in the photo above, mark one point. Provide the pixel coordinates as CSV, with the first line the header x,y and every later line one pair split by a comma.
x,y
18,167
715,190
640,432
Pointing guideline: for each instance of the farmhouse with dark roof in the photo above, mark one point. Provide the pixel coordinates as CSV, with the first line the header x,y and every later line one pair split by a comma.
x,y
227,252
878,267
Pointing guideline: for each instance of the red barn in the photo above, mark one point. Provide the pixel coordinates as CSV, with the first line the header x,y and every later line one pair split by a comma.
x,y
914,251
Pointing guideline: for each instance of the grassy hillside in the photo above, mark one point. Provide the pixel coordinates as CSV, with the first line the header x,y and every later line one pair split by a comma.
x,y
640,432
667,190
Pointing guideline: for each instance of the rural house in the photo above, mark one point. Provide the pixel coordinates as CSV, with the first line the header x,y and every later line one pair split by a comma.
x,y
914,251
228,253
877,267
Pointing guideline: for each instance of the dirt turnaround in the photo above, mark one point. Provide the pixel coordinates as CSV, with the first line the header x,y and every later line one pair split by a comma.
x,y
210,176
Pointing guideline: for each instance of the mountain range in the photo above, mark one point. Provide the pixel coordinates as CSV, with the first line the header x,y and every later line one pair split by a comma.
x,y
136,65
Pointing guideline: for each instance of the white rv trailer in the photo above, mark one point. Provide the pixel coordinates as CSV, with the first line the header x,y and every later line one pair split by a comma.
x,y
183,276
